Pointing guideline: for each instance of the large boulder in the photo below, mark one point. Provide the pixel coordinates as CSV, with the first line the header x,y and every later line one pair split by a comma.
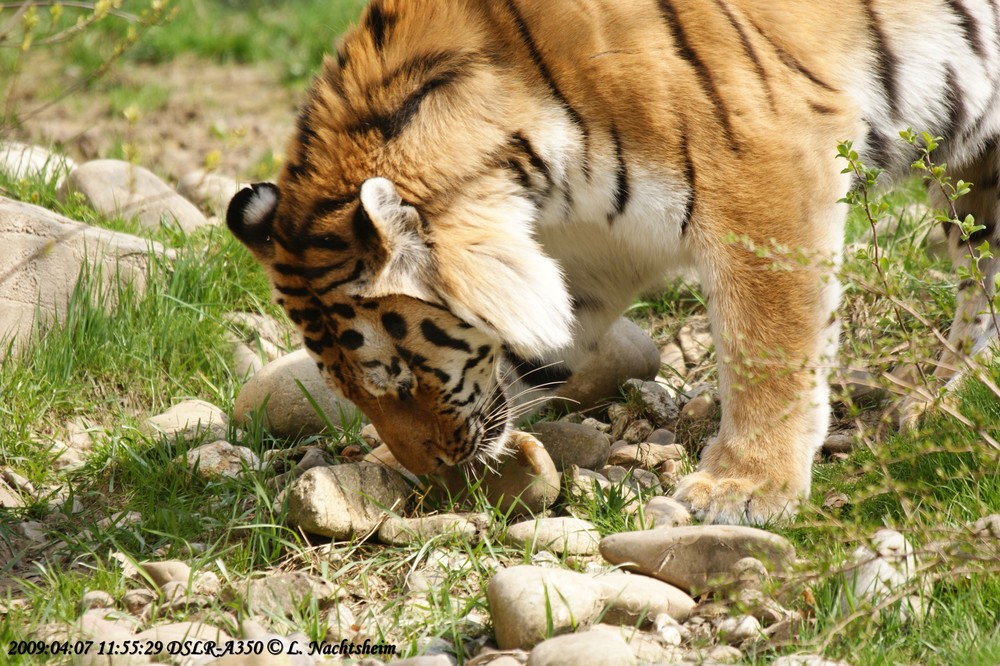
x,y
43,253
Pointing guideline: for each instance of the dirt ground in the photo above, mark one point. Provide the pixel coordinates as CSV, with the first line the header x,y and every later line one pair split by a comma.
x,y
242,112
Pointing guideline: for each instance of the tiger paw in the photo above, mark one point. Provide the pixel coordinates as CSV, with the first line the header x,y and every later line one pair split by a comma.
x,y
734,501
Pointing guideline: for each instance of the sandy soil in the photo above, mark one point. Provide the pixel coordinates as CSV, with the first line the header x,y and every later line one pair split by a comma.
x,y
242,112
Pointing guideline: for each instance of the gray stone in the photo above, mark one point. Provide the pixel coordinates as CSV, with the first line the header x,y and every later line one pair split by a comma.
x,y
626,351
221,459
135,601
701,407
114,187
425,660
562,536
43,253
880,568
527,601
66,459
20,160
673,367
806,660
662,436
313,457
694,558
637,431
632,598
735,630
838,442
344,501
657,404
189,420
397,531
191,635
285,594
208,190
695,338
573,444
276,389
646,455
588,648
31,530
97,599
9,498
663,511
167,571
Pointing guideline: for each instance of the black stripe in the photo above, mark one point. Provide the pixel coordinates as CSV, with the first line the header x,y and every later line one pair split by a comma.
x,y
378,23
342,310
822,109
391,125
622,190
291,291
439,338
685,51
359,268
970,28
748,49
968,283
546,74
394,325
886,62
689,178
791,61
351,339
534,158
955,99
309,272
978,237
879,148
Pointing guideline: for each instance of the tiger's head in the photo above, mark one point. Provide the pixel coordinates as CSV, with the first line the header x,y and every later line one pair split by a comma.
x,y
424,333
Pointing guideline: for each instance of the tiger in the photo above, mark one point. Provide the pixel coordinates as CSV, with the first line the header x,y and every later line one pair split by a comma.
x,y
476,189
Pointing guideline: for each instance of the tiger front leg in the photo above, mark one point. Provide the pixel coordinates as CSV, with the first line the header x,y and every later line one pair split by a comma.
x,y
776,333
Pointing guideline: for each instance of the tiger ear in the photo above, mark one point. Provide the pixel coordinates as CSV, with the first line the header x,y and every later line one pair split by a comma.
x,y
389,229
250,217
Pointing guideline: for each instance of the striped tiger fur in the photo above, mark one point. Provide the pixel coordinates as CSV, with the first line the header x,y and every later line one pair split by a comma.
x,y
478,188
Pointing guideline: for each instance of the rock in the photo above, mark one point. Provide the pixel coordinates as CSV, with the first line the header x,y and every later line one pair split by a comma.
x,y
528,602
695,338
189,420
987,527
806,660
20,160
344,501
404,531
525,482
573,444
834,500
275,390
9,498
66,459
694,558
221,459
632,598
135,601
209,191
97,599
735,630
261,332
43,254
562,536
587,648
657,404
191,635
584,483
880,569
425,660
637,431
626,351
838,442
701,407
168,571
313,457
246,361
673,367
663,511
860,387
646,456
31,530
662,436
286,594
118,188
